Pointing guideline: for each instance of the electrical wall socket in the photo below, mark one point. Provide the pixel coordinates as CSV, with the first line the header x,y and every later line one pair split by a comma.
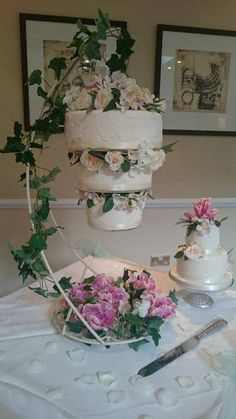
x,y
160,260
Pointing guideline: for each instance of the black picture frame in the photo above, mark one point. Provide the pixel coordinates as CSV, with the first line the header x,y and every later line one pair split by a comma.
x,y
202,47
29,31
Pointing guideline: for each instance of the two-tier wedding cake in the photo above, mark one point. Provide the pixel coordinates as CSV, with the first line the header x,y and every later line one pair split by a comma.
x,y
202,264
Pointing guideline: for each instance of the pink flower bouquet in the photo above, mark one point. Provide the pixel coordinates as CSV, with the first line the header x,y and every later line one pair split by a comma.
x,y
131,306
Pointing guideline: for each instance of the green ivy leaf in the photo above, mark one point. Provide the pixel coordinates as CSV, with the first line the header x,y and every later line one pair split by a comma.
x,y
83,28
125,44
39,266
39,291
115,63
35,78
57,64
17,129
104,18
92,49
108,204
37,243
136,345
172,295
90,203
64,283
179,254
75,327
125,166
89,279
50,231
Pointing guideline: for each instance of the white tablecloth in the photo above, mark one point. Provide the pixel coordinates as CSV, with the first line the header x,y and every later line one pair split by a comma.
x,y
39,374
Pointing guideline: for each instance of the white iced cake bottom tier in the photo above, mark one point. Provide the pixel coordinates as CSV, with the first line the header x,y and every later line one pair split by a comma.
x,y
112,130
114,219
105,180
210,272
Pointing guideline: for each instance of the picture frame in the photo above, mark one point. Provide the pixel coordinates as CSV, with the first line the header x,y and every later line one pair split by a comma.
x,y
40,37
195,72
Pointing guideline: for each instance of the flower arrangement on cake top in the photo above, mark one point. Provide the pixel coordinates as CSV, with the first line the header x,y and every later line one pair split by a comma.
x,y
131,306
204,215
115,91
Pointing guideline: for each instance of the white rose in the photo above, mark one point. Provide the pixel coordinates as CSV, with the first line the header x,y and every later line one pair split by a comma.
x,y
104,96
114,159
162,105
83,101
133,155
124,307
120,202
141,307
90,162
193,252
204,227
157,158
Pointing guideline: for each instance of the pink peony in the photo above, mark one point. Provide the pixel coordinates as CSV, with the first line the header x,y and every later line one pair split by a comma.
x,y
77,292
162,307
142,281
103,282
100,316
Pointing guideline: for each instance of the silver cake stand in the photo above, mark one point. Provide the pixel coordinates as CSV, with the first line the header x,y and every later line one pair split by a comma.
x,y
198,296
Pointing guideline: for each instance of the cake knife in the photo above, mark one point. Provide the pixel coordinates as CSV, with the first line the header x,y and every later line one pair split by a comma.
x,y
185,346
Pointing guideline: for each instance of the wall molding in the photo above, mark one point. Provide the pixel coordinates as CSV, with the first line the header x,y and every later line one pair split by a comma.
x,y
155,203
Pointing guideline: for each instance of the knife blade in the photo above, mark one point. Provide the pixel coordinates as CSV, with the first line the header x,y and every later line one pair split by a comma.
x,y
181,349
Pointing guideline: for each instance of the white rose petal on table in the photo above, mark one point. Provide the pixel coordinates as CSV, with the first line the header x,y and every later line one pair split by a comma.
x,y
107,379
141,384
50,347
77,355
166,398
55,393
87,379
185,381
116,396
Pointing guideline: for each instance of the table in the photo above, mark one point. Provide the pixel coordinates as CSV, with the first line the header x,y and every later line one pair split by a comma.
x,y
40,370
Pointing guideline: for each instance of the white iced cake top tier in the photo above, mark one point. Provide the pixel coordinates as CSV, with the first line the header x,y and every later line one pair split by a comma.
x,y
113,130
207,240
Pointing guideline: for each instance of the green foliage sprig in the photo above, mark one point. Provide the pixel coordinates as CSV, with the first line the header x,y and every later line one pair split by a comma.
x,y
87,45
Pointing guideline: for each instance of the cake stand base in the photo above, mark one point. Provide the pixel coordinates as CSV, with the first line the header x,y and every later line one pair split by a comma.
x,y
198,299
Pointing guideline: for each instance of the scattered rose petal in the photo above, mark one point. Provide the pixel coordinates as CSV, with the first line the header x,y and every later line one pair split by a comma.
x,y
107,378
50,347
214,380
115,396
87,379
185,382
77,355
141,384
36,365
55,393
166,398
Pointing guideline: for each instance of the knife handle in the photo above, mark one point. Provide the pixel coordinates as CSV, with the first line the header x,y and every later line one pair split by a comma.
x,y
211,327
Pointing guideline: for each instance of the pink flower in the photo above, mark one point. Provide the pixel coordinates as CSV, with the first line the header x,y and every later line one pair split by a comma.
x,y
203,208
100,316
142,281
103,282
78,293
162,307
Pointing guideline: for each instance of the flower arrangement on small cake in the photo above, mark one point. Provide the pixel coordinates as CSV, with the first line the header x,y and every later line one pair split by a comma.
x,y
203,217
130,307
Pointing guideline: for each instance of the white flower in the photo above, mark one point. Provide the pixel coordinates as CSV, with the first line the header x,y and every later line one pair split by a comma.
x,y
141,307
157,158
83,101
114,159
193,252
104,96
120,202
133,155
204,227
124,307
162,105
90,162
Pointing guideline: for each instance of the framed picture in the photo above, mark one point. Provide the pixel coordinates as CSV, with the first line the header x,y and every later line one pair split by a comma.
x,y
44,37
196,74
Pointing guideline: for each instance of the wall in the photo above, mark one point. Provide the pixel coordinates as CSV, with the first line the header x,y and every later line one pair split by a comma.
x,y
200,166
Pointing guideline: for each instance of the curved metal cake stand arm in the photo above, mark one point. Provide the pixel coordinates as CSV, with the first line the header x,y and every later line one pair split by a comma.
x,y
67,299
